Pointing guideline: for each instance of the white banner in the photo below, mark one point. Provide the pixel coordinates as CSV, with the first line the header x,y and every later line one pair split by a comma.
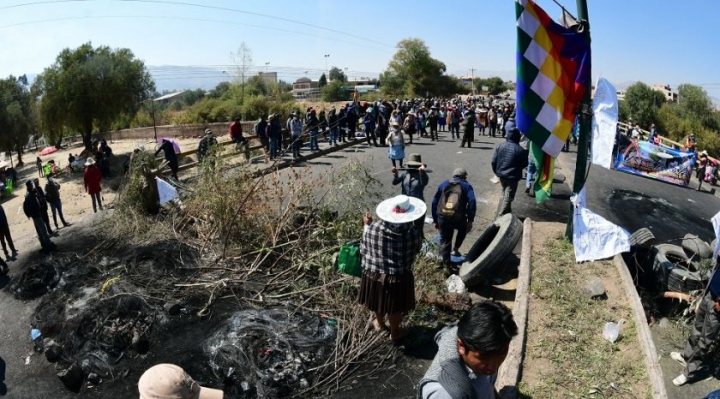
x,y
716,226
593,236
166,191
604,123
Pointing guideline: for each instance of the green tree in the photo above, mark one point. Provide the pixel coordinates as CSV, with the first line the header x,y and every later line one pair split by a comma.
x,y
17,114
413,71
643,103
494,84
91,87
695,103
334,91
322,82
337,74
190,97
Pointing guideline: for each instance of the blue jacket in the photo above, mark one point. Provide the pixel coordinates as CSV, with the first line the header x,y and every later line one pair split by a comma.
x,y
467,190
510,159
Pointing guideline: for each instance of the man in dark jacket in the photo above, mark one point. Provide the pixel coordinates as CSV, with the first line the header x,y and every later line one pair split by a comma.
x,y
5,235
167,148
461,218
32,209
206,144
43,205
468,128
52,193
508,163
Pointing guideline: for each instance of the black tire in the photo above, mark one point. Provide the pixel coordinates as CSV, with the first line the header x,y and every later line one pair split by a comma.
x,y
694,245
665,261
490,250
642,237
482,242
681,280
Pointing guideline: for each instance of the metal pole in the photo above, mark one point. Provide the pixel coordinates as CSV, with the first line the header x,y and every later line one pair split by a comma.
x,y
584,120
153,116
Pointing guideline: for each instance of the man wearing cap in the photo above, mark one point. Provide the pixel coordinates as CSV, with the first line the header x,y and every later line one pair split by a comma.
x,y
206,144
508,162
274,132
32,209
388,249
165,381
91,180
460,219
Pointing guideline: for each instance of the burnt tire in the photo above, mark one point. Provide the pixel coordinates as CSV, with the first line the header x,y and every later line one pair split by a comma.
x,y
694,245
642,237
491,248
681,280
666,258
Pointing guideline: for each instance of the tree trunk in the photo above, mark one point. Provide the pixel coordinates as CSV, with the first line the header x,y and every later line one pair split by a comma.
x,y
19,154
87,141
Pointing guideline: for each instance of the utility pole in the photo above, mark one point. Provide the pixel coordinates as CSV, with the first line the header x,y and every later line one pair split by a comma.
x,y
326,70
472,80
584,120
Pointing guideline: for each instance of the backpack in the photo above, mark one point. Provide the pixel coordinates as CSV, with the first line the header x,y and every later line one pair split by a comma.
x,y
453,202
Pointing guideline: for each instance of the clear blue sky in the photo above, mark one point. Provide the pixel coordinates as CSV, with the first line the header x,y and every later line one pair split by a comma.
x,y
655,42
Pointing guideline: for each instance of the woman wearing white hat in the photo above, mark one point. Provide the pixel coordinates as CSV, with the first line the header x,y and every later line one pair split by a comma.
x,y
388,249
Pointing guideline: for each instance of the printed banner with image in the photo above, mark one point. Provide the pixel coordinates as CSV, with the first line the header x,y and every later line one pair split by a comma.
x,y
656,162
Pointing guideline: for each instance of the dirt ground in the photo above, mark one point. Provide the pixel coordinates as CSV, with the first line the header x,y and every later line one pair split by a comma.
x,y
75,201
566,354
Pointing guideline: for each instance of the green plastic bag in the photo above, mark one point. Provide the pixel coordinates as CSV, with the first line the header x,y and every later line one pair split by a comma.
x,y
349,259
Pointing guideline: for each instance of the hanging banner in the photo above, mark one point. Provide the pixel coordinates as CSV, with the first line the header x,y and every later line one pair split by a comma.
x,y
656,162
593,236
604,123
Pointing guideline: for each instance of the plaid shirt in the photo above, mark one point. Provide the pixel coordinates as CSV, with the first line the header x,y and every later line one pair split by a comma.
x,y
389,248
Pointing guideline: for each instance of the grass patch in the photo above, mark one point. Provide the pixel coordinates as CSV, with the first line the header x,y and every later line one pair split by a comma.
x,y
567,355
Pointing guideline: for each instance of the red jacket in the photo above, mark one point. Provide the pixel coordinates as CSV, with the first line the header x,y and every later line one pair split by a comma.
x,y
236,130
91,178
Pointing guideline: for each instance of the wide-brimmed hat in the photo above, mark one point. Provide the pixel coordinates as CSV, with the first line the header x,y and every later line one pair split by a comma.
x,y
415,161
394,123
89,162
208,132
170,381
401,209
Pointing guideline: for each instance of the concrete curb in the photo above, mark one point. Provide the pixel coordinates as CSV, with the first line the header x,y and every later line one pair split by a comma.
x,y
509,373
652,364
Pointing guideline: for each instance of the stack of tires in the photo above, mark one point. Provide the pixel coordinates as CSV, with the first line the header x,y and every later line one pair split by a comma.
x,y
675,266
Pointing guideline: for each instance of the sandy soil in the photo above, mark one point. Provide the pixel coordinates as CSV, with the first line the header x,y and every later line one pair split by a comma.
x,y
75,201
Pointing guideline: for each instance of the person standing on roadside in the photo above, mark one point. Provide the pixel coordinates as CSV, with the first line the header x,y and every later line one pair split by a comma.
x,y
413,182
387,250
312,124
168,150
508,162
274,132
91,180
296,129
32,209
5,238
453,209
468,128
52,192
333,126
42,199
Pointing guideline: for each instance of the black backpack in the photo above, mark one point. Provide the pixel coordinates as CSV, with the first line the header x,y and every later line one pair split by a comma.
x,y
453,203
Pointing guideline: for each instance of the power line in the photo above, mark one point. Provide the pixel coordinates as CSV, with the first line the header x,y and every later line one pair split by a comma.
x,y
45,21
205,6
